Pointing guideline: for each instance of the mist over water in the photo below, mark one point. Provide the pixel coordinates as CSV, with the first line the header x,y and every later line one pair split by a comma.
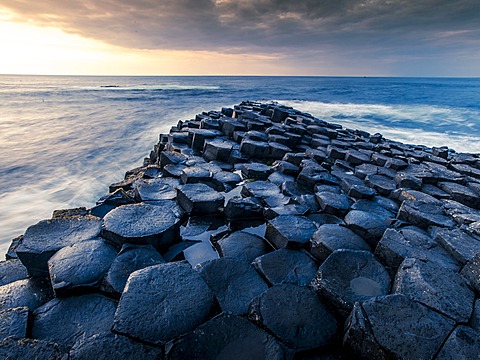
x,y
63,140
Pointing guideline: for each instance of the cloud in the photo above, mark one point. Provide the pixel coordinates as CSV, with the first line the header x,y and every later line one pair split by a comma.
x,y
317,27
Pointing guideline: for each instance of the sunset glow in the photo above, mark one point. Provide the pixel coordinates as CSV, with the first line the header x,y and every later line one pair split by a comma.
x,y
239,38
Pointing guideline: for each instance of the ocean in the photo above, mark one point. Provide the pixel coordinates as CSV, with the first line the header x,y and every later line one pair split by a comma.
x,y
64,139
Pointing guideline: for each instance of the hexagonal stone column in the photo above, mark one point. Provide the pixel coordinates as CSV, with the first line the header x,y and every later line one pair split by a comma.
x,y
80,267
162,302
45,238
348,276
235,283
395,327
295,315
142,224
288,231
200,199
434,286
226,337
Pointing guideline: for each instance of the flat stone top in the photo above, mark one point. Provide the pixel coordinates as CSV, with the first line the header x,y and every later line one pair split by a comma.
x,y
52,235
200,193
139,220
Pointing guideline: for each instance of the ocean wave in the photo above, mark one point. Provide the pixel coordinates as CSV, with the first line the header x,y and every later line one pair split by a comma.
x,y
426,124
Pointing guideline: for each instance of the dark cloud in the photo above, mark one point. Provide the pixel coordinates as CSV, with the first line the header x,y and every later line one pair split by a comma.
x,y
266,26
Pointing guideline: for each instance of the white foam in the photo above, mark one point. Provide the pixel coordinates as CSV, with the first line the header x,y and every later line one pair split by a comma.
x,y
417,124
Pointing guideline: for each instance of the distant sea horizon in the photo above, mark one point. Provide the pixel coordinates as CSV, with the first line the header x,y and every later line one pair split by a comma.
x,y
64,139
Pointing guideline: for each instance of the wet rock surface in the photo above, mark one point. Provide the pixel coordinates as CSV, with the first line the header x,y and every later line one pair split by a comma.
x,y
307,325
234,283
171,299
226,337
395,326
349,276
300,223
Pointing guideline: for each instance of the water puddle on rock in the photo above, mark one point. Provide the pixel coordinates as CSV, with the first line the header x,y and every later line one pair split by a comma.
x,y
365,286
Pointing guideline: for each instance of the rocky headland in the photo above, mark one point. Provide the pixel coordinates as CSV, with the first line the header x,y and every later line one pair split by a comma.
x,y
258,232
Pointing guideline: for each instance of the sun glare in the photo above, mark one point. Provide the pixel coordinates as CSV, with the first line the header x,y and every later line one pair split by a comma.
x,y
30,49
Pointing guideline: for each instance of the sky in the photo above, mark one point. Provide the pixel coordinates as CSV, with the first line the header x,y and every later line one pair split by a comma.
x,y
241,37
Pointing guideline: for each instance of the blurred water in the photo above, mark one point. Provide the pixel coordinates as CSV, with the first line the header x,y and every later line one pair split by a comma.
x,y
63,140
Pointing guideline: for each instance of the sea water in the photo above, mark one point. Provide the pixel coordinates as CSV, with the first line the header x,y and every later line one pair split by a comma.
x,y
64,139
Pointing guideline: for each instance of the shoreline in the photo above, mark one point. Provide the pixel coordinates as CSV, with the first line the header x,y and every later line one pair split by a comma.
x,y
261,205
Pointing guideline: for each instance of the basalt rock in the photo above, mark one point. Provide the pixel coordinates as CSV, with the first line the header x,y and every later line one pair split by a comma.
x,y
309,204
12,270
235,283
226,337
13,323
331,237
348,276
395,327
171,299
81,266
286,266
129,259
295,315
141,224
84,315
290,231
44,239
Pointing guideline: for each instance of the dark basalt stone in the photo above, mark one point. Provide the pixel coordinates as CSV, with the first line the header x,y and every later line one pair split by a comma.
x,y
80,267
260,189
225,180
475,319
461,193
154,190
255,149
295,315
356,157
286,266
197,137
355,187
142,224
471,272
243,208
290,231
79,316
170,299
459,245
194,175
411,242
242,245
332,203
309,176
382,184
200,199
109,346
109,202
463,343
31,293
331,237
424,214
348,276
234,283
32,349
395,327
257,171
12,270
226,337
45,238
129,259
369,225
172,170
171,158
13,323
435,287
